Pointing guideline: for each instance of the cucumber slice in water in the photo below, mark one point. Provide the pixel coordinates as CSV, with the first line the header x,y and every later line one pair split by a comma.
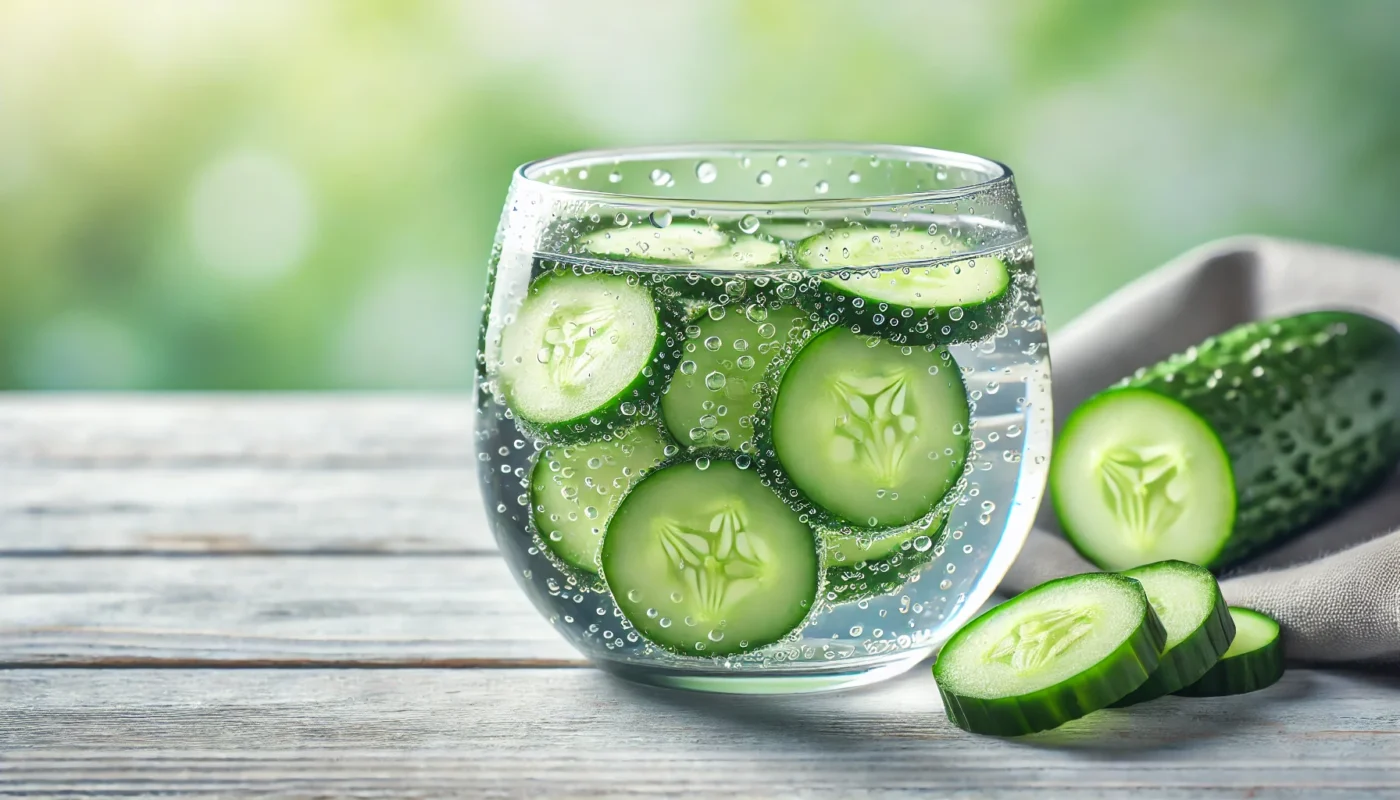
x,y
875,289
585,352
710,401
1233,446
678,243
707,561
860,567
874,435
1050,655
1199,627
575,489
1254,660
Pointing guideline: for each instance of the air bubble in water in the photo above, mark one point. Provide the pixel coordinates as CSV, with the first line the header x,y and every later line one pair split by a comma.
x,y
716,313
614,177
765,178
715,381
712,343
854,177
822,187
688,367
745,362
702,463
660,177
955,313
661,217
706,172
621,220
749,223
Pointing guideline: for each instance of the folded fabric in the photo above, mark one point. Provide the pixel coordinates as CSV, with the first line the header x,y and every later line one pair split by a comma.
x,y
1336,588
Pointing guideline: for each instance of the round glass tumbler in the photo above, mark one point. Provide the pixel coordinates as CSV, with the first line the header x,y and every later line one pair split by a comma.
x,y
764,417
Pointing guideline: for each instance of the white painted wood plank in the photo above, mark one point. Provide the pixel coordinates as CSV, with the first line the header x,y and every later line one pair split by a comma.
x,y
242,509
291,611
579,733
270,430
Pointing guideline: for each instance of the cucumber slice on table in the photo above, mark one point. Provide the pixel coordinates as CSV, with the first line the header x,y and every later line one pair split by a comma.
x,y
584,352
575,489
707,561
1199,627
711,400
860,567
871,434
875,288
1050,655
1233,446
1254,660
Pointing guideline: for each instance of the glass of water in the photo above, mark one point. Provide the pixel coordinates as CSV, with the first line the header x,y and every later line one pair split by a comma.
x,y
762,417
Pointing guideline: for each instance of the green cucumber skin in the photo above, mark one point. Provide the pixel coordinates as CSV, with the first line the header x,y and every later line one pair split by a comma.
x,y
644,391
1190,660
1318,430
914,326
1132,664
1249,672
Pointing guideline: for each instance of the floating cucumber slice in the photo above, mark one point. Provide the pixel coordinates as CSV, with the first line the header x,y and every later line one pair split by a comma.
x,y
583,352
874,435
1199,627
1233,446
707,561
575,489
1254,660
860,567
677,243
710,401
746,253
1050,655
875,288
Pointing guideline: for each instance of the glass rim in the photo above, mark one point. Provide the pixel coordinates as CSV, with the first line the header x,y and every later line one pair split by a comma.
x,y
531,172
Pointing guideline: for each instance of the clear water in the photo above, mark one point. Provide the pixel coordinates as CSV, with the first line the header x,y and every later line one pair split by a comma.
x,y
1007,379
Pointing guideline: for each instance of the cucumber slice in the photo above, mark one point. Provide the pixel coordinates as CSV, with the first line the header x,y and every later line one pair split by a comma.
x,y
707,561
1050,655
746,253
1234,446
677,243
879,292
575,489
1254,660
710,401
872,434
1199,628
585,352
860,567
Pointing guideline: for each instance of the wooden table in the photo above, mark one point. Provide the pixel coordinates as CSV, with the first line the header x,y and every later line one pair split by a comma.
x,y
297,596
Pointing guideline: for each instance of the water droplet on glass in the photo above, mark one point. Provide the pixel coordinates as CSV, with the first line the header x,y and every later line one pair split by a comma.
x,y
749,223
661,217
765,178
614,177
822,187
660,177
854,177
706,172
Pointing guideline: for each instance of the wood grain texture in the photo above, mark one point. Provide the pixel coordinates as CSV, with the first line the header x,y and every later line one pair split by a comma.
x,y
239,473
291,610
579,733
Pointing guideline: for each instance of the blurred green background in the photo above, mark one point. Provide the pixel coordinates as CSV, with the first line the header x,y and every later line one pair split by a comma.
x,y
277,194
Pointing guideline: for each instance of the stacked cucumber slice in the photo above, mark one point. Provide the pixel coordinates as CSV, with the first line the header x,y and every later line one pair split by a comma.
x,y
1075,645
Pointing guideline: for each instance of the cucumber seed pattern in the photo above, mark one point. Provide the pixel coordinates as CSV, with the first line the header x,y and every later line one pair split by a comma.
x,y
568,339
874,427
1136,486
1042,637
719,565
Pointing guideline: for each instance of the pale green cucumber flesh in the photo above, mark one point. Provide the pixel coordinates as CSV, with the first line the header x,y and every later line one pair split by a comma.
x,y
711,398
1138,478
872,434
1199,627
677,243
1254,660
579,350
575,489
707,561
1050,655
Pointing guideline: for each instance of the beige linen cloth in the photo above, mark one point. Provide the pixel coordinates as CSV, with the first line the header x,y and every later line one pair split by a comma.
x,y
1336,588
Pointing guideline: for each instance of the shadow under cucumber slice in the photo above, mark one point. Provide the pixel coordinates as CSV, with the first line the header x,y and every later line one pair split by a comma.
x,y
707,561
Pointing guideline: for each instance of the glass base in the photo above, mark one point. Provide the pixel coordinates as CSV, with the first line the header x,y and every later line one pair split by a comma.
x,y
807,681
